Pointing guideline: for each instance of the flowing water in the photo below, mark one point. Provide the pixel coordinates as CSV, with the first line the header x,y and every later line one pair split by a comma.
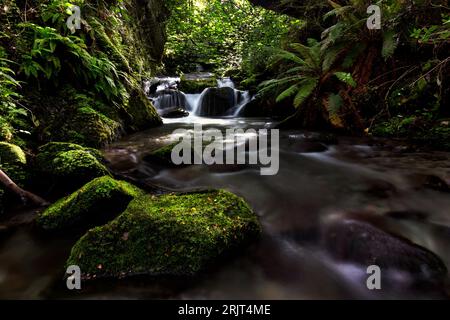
x,y
166,96
376,182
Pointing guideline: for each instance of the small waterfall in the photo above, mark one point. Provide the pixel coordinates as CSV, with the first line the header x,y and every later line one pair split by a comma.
x,y
169,98
223,100
225,82
245,98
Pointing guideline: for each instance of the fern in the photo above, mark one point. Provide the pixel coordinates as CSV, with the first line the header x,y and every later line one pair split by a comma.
x,y
389,44
334,104
307,87
346,78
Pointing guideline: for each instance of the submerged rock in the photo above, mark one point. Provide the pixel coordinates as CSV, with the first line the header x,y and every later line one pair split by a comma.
x,y
67,166
173,113
95,203
167,235
360,242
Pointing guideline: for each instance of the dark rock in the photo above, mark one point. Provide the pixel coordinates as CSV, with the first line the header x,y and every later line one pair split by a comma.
x,y
170,98
197,82
217,101
360,242
173,113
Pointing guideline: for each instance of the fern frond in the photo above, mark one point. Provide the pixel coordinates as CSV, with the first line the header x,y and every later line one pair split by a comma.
x,y
287,93
346,78
306,88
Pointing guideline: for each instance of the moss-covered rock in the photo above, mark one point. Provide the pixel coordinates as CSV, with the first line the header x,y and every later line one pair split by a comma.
x,y
13,162
167,235
196,84
67,166
85,126
11,154
95,203
143,114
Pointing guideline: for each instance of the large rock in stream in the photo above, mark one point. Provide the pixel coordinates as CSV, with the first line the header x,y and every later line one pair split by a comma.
x,y
217,101
360,242
65,167
96,203
167,235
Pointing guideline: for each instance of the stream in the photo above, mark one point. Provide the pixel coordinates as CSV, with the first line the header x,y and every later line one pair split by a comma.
x,y
382,183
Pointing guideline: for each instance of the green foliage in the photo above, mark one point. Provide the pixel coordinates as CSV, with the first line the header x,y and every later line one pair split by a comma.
x,y
11,112
221,35
50,48
167,235
307,71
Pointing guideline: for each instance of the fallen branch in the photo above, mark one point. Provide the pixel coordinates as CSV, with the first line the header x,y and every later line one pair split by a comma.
x,y
26,196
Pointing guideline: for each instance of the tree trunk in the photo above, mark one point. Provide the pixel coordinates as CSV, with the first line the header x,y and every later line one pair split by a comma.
x,y
23,194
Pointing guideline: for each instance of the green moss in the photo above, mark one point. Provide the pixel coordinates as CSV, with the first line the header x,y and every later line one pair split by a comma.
x,y
167,235
6,130
68,166
196,85
13,162
91,128
143,114
75,117
114,51
95,203
11,154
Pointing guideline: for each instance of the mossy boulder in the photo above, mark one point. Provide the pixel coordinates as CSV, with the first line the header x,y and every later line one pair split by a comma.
x,y
13,162
67,166
91,128
143,114
95,203
11,154
196,83
167,235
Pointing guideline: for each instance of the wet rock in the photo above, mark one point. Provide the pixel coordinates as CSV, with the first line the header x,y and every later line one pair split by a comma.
x,y
13,162
173,113
197,82
380,188
169,99
409,215
167,235
65,167
436,183
217,101
96,203
360,242
143,114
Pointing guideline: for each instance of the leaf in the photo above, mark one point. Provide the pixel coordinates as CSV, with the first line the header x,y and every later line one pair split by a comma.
x,y
390,43
287,93
333,106
346,78
307,87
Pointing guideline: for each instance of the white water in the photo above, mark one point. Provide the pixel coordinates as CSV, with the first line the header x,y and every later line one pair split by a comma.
x,y
225,82
194,101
